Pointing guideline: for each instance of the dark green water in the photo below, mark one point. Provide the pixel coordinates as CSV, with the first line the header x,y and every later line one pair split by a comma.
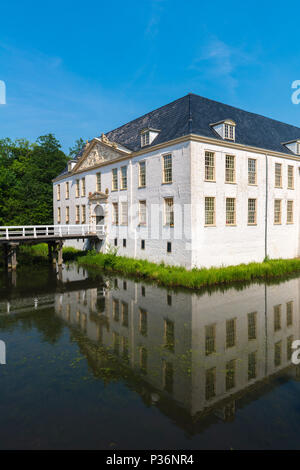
x,y
103,363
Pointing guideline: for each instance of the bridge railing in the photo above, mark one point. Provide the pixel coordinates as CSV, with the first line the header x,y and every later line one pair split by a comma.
x,y
42,231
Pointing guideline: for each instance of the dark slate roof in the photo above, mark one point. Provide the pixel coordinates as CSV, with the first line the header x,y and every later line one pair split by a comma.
x,y
194,114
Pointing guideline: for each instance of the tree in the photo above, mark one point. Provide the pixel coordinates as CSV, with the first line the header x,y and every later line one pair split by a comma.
x,y
77,147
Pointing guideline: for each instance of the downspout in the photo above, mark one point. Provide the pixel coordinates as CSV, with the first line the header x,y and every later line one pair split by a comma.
x,y
266,205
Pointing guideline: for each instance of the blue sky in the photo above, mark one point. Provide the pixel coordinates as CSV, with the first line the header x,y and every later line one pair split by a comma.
x,y
78,69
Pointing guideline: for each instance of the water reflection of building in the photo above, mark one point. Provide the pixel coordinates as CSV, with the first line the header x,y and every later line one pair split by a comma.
x,y
195,351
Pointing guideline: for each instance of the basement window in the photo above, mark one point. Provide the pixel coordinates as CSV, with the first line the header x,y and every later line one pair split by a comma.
x,y
169,247
142,244
116,242
124,242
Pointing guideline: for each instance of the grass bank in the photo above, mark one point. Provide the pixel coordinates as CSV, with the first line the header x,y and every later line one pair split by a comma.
x,y
173,276
38,254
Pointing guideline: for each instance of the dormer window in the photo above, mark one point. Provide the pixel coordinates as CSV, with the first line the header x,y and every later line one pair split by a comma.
x,y
293,146
71,164
148,135
225,129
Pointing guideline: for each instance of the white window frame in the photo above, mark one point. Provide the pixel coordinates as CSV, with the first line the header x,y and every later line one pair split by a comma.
x,y
98,181
169,211
115,213
167,170
290,186
233,222
252,212
124,213
145,138
276,212
289,220
83,187
143,212
209,212
123,177
228,170
142,174
114,179
251,173
208,157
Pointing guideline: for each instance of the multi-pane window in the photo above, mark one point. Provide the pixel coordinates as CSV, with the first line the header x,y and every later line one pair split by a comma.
x,y
289,350
290,212
77,188
124,310
277,211
290,177
83,187
277,353
230,333
230,211
67,190
278,175
210,214
252,365
209,166
116,309
115,219
142,213
277,317
229,169
229,131
124,213
252,175
114,183
289,313
251,211
143,359
230,374
210,383
169,211
252,325
98,181
58,192
67,214
77,214
58,215
143,322
145,138
83,214
210,339
169,335
167,170
168,376
124,177
142,174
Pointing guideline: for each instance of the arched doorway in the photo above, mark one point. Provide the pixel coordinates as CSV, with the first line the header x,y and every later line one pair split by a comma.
x,y
99,214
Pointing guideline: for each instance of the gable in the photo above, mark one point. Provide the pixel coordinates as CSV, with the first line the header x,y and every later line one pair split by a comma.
x,y
97,152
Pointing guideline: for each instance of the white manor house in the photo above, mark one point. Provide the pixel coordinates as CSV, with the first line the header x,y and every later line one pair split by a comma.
x,y
194,183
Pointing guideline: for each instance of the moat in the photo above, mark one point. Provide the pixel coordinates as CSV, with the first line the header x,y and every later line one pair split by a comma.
x,y
103,362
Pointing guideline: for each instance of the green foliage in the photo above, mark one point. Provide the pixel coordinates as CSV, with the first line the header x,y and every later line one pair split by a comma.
x,y
26,174
77,147
176,276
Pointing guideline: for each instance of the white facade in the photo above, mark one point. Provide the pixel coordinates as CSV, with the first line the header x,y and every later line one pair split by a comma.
x,y
193,242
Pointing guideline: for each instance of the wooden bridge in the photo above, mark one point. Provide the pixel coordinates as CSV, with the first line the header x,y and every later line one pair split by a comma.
x,y
54,235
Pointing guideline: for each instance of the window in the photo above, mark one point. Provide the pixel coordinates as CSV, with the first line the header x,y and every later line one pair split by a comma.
x,y
230,374
124,213
145,139
289,313
169,211
229,169
210,383
142,174
77,188
230,332
168,377
124,312
169,335
142,213
210,339
209,166
77,217
143,322
169,247
290,177
143,359
277,317
114,184
143,291
278,176
124,177
230,211
124,285
167,170
58,192
252,177
124,242
289,350
142,244
277,211
252,325
67,214
83,214
98,181
210,211
277,353
169,300
116,242
67,190
115,310
251,211
252,365
115,220
58,215
229,131
290,212
83,187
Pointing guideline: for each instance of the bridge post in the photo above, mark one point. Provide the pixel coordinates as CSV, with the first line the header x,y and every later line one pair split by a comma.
x,y
60,253
10,254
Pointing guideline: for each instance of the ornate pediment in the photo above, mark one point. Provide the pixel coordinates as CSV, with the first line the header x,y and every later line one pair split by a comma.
x,y
98,196
99,151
